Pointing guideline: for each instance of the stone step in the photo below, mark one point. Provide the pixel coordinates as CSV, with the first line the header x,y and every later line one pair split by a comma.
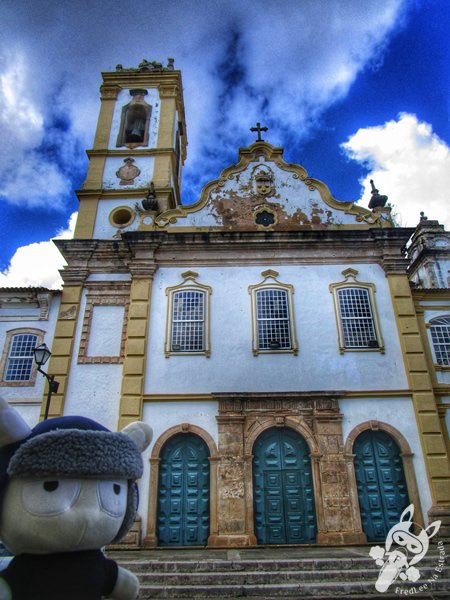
x,y
261,577
315,573
293,590
208,565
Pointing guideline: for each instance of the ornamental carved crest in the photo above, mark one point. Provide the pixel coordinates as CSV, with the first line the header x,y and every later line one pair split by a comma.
x,y
264,182
128,172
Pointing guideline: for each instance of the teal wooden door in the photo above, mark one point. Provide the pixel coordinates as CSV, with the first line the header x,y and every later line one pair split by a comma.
x,y
381,483
283,492
183,492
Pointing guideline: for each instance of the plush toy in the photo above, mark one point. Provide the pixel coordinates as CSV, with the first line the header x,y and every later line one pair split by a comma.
x,y
67,488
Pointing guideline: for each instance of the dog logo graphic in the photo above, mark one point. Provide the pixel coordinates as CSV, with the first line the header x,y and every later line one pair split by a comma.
x,y
403,549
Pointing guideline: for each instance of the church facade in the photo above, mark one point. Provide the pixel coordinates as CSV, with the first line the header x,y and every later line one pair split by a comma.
x,y
290,351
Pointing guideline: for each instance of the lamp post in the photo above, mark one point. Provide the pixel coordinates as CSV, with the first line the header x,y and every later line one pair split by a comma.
x,y
41,356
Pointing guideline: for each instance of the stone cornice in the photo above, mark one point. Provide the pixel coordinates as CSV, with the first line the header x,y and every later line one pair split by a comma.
x,y
141,253
32,297
288,247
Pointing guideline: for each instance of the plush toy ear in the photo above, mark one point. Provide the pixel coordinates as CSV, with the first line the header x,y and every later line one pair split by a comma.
x,y
140,433
407,514
433,529
12,427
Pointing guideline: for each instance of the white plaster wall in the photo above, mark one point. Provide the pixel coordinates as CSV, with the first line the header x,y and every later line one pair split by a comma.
x,y
103,228
106,331
93,390
162,417
399,413
29,411
113,163
124,98
27,396
290,192
232,366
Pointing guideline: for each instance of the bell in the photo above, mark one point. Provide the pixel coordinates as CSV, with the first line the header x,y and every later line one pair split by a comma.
x,y
137,127
136,135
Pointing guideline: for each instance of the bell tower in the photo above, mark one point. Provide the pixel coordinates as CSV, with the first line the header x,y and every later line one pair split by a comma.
x,y
136,162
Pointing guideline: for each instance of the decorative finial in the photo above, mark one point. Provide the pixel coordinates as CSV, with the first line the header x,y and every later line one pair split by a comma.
x,y
150,202
377,200
258,128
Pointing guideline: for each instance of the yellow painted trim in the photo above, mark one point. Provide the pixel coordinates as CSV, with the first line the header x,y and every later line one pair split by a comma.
x,y
94,175
265,285
266,209
63,343
352,282
434,307
420,378
123,209
87,213
189,283
109,95
377,394
134,363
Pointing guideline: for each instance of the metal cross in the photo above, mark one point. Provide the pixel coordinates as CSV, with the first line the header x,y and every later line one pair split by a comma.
x,y
258,128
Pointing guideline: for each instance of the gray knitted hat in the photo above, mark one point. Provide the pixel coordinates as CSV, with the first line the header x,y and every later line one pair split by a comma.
x,y
69,447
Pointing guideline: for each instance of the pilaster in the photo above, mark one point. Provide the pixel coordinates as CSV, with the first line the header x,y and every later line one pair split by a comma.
x,y
232,515
62,348
420,381
337,518
132,391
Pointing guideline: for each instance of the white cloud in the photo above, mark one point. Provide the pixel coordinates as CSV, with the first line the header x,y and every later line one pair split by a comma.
x,y
295,59
409,163
33,158
37,264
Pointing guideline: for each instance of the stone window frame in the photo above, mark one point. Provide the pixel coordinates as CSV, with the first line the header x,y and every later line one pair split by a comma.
x,y
40,333
189,283
104,295
429,325
352,282
276,285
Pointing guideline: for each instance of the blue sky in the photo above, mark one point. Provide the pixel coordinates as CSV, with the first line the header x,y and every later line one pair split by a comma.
x,y
352,89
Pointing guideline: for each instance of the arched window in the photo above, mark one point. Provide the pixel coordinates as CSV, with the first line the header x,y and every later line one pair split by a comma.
x,y
17,365
187,330
272,316
440,337
134,122
356,316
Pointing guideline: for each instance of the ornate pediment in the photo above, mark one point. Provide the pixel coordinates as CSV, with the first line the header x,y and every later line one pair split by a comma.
x,y
262,192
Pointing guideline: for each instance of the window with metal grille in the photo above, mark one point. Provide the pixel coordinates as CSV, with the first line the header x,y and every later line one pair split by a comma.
x,y
440,336
356,318
19,363
272,314
188,321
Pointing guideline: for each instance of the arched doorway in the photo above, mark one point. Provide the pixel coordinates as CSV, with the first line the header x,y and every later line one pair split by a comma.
x,y
283,492
183,492
381,483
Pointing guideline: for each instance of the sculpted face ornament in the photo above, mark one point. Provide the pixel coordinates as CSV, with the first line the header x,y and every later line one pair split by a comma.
x,y
264,183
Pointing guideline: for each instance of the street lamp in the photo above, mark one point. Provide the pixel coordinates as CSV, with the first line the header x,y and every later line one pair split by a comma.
x,y
41,356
